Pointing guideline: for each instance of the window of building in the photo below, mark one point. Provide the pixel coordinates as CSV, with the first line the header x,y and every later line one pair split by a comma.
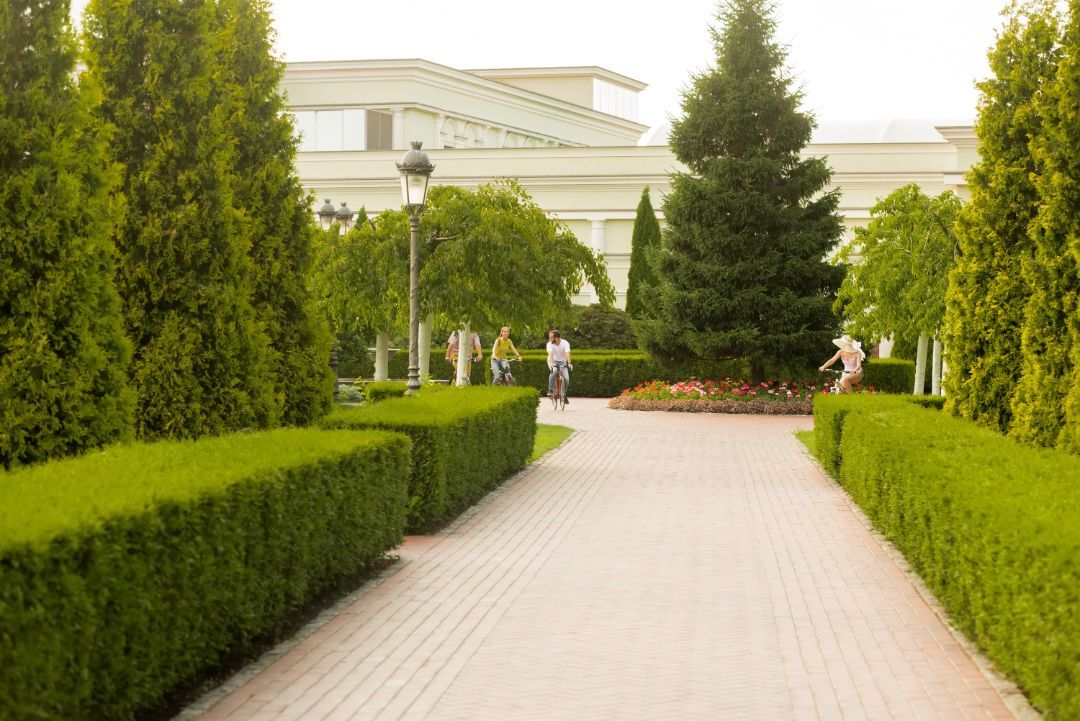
x,y
348,129
614,99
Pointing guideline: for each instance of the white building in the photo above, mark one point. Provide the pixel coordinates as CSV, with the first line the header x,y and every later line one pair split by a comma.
x,y
569,135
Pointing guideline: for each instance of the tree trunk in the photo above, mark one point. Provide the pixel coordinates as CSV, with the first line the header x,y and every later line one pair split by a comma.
x,y
464,354
757,370
920,366
935,370
424,343
382,356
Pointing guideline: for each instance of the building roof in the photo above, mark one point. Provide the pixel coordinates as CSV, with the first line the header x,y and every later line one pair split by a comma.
x,y
842,132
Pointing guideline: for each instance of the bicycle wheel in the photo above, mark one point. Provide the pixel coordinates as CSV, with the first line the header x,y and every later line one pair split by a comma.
x,y
509,380
555,393
561,399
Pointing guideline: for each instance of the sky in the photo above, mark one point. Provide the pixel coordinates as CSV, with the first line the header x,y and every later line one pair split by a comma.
x,y
853,59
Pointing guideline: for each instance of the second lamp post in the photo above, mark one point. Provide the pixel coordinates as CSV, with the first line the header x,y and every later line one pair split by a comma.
x,y
415,170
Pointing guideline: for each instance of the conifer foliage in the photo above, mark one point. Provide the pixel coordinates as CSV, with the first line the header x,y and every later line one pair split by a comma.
x,y
201,361
987,290
1046,408
278,211
63,355
642,277
749,226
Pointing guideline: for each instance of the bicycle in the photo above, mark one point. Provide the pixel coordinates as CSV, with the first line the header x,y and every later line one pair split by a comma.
x,y
832,386
558,395
503,376
468,371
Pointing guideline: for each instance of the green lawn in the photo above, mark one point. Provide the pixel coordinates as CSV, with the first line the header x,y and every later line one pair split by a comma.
x,y
807,437
548,438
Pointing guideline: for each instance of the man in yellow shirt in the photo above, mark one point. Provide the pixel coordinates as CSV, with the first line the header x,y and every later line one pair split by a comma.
x,y
499,363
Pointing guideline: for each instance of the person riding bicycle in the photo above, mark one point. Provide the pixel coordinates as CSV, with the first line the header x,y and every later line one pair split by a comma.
x,y
452,346
558,361
851,353
499,364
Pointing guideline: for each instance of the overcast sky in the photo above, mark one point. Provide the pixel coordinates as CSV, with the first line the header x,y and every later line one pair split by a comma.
x,y
855,59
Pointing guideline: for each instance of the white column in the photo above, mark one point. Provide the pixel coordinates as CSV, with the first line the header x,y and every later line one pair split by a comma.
x,y
599,244
465,354
398,135
935,370
437,143
382,356
920,366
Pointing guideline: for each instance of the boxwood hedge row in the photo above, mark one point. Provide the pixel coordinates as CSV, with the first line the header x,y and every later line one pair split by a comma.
x,y
132,571
991,526
465,441
606,373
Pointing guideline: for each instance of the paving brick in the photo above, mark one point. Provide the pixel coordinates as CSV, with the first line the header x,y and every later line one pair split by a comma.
x,y
657,566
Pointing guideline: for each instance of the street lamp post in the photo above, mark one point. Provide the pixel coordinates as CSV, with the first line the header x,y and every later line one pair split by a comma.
x,y
327,216
415,170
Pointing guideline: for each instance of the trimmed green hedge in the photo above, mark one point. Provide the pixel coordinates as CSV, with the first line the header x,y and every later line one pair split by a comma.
x,y
465,441
991,526
128,573
381,390
607,373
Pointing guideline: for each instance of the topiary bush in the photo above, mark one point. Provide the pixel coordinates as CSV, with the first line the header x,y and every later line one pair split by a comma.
x,y
993,528
381,390
465,441
128,573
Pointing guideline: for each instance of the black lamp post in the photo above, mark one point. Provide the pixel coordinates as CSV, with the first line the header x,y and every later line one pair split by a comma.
x,y
415,170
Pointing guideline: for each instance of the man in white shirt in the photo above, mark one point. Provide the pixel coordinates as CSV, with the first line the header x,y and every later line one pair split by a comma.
x,y
558,351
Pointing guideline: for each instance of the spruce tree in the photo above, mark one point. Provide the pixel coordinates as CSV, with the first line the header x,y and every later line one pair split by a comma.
x,y
1046,408
987,293
63,355
642,277
200,361
743,266
278,211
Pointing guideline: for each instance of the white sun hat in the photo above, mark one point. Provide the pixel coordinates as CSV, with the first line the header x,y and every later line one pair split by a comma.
x,y
848,345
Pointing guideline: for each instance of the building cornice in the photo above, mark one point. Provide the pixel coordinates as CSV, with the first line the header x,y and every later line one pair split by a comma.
x,y
594,71
442,77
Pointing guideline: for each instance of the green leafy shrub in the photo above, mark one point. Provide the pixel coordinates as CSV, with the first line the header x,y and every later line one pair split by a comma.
x,y
934,402
465,441
130,572
889,375
598,327
63,353
381,390
991,526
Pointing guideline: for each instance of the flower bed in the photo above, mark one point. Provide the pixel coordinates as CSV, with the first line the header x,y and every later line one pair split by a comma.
x,y
724,396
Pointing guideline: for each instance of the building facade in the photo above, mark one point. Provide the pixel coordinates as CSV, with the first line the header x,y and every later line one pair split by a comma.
x,y
569,135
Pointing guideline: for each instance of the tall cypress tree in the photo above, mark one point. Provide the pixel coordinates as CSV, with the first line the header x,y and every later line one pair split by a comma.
x,y
748,227
1046,409
987,293
63,355
278,212
642,277
200,363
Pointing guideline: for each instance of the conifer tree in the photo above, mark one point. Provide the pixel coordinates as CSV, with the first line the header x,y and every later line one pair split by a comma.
x,y
63,355
987,294
642,277
200,361
743,265
278,211
1046,408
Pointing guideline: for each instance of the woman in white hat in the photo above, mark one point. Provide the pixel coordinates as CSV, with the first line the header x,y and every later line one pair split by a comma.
x,y
852,355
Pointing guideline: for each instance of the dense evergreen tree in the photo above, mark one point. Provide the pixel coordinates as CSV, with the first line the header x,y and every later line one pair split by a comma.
x,y
1046,408
742,264
200,362
278,211
987,293
642,277
63,355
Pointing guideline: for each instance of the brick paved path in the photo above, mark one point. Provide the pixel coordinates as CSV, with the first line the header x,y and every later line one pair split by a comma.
x,y
657,566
